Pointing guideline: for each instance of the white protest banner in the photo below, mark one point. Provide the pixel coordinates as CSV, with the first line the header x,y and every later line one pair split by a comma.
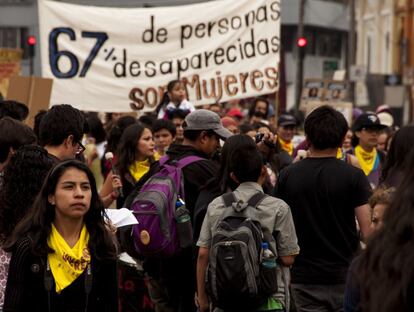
x,y
105,59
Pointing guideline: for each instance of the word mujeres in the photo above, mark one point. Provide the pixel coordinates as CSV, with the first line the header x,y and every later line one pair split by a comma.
x,y
213,89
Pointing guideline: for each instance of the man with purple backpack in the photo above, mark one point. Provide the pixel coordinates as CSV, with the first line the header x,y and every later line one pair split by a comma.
x,y
168,261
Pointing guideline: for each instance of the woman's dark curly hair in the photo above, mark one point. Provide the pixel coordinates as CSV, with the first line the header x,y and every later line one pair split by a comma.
x,y
386,267
36,225
23,178
114,135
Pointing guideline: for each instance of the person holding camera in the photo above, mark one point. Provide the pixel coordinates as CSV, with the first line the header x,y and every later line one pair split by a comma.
x,y
274,156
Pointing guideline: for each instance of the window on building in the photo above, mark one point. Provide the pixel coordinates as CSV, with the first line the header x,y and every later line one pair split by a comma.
x,y
311,45
14,37
288,34
329,44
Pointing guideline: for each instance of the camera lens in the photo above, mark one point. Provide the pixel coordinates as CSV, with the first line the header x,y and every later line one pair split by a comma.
x,y
259,137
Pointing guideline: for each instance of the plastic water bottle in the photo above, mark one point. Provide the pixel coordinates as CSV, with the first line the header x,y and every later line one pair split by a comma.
x,y
184,227
268,258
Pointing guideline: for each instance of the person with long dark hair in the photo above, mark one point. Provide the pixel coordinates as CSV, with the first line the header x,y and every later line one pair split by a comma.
x,y
396,162
135,155
23,178
386,267
63,255
259,110
218,185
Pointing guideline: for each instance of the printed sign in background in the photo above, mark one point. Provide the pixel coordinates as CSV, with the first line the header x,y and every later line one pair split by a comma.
x,y
9,66
313,90
318,90
345,108
105,59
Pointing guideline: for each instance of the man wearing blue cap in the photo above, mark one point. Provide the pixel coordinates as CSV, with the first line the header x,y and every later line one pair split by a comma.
x,y
286,127
366,131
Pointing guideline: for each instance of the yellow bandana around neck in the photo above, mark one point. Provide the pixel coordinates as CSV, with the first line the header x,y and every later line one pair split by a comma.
x,y
67,263
366,159
287,146
339,154
139,168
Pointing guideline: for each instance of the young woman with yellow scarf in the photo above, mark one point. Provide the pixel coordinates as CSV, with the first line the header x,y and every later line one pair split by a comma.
x,y
136,153
366,129
63,255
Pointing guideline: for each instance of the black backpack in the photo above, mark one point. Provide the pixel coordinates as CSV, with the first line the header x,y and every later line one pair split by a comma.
x,y
236,280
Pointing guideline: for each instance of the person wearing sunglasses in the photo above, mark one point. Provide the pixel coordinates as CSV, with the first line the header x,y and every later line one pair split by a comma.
x,y
61,131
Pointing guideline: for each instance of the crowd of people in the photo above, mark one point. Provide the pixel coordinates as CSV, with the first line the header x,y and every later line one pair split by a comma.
x,y
332,204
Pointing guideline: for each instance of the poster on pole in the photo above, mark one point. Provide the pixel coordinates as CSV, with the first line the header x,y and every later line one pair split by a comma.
x,y
336,90
9,66
313,90
112,59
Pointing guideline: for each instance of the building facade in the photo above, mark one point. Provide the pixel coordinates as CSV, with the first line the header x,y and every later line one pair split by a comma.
x,y
404,29
376,39
385,48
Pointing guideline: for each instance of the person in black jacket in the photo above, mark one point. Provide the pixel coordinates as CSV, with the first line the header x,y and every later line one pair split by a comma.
x,y
63,255
172,280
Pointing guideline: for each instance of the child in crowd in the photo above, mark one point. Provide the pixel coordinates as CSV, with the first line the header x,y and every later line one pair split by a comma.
x,y
164,134
174,99
379,202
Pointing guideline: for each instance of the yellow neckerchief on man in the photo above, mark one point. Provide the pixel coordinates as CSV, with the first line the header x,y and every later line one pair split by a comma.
x,y
67,263
339,154
139,168
287,146
366,159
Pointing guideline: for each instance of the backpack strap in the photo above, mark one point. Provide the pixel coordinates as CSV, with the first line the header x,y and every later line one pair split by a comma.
x,y
229,199
239,207
256,199
163,160
185,161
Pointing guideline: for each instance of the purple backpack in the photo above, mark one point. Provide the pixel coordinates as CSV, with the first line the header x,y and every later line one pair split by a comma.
x,y
155,235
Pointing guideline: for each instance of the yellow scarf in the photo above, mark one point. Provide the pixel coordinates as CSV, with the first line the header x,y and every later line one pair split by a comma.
x,y
67,263
339,154
139,168
287,146
366,159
